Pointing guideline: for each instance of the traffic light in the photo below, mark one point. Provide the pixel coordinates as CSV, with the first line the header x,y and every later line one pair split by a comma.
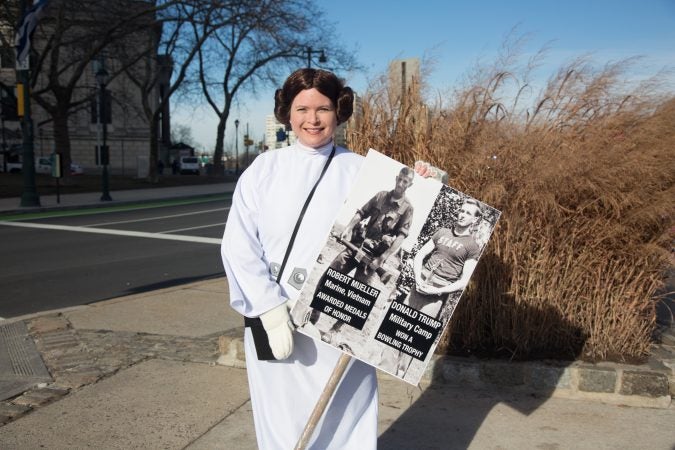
x,y
20,106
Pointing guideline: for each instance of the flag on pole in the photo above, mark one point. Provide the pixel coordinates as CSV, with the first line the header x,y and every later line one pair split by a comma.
x,y
25,32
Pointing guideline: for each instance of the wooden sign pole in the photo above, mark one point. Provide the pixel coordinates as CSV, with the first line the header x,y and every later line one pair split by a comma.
x,y
325,397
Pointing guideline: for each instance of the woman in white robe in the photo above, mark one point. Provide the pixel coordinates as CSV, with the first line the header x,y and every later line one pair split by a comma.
x,y
266,205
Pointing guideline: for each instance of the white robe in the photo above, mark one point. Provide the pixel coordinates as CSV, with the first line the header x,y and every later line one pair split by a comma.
x,y
265,207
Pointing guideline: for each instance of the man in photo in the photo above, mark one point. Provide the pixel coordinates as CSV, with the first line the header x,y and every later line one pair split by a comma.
x,y
376,232
442,267
444,264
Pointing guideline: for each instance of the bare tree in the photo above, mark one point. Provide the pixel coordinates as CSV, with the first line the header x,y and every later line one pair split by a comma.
x,y
71,35
182,133
141,36
186,26
156,42
267,40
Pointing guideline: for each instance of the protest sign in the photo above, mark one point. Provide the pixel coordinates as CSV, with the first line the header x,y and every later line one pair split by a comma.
x,y
393,268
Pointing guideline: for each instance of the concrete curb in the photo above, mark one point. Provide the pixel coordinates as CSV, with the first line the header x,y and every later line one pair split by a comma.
x,y
619,384
649,385
101,303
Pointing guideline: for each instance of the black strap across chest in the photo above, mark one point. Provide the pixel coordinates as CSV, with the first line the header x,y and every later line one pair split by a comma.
x,y
259,335
302,214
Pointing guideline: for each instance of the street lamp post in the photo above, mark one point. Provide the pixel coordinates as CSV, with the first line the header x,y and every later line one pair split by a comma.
x,y
246,143
2,127
101,79
321,53
236,146
29,196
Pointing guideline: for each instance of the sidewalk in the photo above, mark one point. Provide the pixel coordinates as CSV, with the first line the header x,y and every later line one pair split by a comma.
x,y
142,372
164,369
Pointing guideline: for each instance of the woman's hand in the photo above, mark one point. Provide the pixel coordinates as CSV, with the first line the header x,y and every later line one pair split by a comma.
x,y
279,328
426,170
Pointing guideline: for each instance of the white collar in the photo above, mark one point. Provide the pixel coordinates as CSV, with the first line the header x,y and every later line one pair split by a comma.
x,y
323,150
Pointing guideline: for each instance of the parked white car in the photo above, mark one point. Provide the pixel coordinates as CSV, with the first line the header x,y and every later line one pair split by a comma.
x,y
12,167
43,164
188,164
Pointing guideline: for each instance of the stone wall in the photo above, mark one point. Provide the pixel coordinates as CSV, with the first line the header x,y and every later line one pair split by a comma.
x,y
647,385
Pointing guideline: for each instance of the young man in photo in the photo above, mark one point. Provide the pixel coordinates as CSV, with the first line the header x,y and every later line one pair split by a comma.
x,y
375,232
445,262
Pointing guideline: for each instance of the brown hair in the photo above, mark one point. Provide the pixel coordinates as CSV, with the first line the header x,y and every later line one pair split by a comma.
x,y
323,81
479,211
406,172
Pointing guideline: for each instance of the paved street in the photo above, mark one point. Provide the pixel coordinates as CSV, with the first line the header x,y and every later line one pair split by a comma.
x,y
76,257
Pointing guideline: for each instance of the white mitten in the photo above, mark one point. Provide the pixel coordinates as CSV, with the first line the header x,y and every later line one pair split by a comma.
x,y
277,324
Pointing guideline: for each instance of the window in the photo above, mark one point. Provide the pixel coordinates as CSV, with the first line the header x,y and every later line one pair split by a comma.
x,y
7,58
7,103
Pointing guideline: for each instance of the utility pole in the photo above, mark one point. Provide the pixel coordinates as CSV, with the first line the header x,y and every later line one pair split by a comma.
x,y
236,147
2,126
247,142
29,196
104,154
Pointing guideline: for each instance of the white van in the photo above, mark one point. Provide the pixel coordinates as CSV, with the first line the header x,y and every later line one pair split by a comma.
x,y
188,164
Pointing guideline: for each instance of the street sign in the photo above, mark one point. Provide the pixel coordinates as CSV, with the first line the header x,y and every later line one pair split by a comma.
x,y
55,159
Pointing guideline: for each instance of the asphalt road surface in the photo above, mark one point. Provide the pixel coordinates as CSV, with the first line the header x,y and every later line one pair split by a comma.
x,y
79,257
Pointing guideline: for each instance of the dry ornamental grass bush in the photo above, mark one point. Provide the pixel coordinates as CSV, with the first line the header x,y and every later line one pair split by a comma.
x,y
584,179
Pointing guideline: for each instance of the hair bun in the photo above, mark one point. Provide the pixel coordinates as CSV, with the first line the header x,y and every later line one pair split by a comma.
x,y
345,104
281,107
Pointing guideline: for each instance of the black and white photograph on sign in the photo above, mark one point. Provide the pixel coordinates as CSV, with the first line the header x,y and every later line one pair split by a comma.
x,y
397,259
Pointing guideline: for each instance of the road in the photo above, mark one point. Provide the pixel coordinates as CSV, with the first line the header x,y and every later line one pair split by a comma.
x,y
80,257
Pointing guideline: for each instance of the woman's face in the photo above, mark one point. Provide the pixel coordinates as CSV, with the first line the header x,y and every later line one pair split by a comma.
x,y
313,118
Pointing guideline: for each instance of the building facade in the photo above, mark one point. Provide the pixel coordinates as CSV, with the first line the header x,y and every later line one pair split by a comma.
x,y
275,130
124,116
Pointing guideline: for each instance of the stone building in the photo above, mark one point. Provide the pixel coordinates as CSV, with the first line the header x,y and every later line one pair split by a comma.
x,y
404,79
128,131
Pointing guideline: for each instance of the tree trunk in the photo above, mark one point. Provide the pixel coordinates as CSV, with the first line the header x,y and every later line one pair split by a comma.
x,y
218,151
154,149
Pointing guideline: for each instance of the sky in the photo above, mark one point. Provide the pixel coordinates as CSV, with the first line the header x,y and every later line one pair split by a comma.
x,y
459,34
